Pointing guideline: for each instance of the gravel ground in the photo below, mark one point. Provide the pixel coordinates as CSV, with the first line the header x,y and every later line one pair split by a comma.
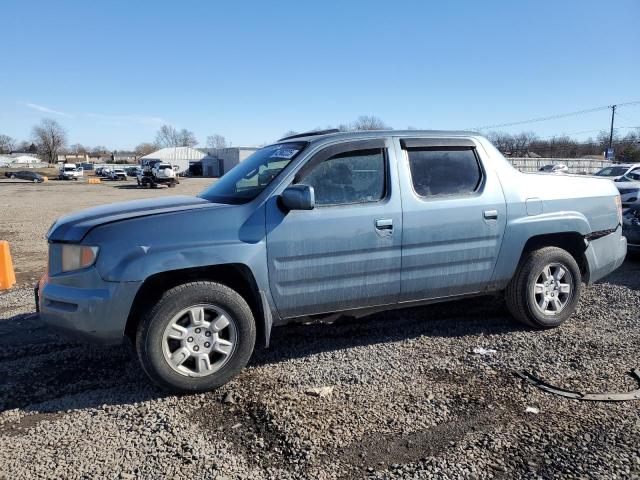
x,y
407,398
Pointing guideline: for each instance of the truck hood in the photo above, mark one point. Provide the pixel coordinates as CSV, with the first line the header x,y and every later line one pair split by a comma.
x,y
629,185
73,227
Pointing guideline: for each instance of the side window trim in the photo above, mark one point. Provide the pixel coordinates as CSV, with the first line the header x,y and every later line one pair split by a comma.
x,y
345,148
337,149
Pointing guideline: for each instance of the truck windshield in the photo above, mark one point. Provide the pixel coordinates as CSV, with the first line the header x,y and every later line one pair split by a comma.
x,y
612,172
246,180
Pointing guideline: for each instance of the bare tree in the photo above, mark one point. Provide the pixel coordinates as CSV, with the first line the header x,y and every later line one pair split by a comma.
x,y
186,138
368,122
216,141
51,138
167,136
144,149
521,143
627,148
78,148
289,133
99,149
7,143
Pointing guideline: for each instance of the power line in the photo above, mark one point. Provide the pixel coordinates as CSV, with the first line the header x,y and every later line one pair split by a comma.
x,y
557,116
588,131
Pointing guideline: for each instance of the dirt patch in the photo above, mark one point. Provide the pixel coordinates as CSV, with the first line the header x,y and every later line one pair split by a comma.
x,y
251,430
383,451
12,429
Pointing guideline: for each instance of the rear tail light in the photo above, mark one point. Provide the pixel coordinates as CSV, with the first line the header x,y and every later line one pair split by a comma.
x,y
619,208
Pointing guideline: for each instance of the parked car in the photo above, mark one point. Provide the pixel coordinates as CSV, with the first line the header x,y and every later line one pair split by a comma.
x,y
629,188
631,227
155,172
70,171
132,171
351,224
117,174
616,172
25,175
555,168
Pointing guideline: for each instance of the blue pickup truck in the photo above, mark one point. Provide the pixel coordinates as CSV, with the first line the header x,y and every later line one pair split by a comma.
x,y
321,225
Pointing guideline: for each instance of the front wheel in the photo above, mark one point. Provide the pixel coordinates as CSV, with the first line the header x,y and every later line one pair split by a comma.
x,y
196,338
545,289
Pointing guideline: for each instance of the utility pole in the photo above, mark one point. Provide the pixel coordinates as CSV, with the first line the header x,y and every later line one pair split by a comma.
x,y
613,115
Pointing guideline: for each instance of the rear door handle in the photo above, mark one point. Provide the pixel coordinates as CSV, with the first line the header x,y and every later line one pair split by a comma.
x,y
384,226
490,214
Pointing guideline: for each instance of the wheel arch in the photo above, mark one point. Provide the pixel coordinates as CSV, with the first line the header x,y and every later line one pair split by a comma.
x,y
572,242
236,276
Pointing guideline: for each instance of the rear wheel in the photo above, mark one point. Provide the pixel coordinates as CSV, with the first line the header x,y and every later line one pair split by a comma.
x,y
545,289
196,338
13,177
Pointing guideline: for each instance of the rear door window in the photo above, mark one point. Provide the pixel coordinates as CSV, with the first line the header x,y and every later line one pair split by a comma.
x,y
444,171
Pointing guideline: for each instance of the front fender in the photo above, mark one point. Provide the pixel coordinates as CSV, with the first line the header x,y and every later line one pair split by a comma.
x,y
143,261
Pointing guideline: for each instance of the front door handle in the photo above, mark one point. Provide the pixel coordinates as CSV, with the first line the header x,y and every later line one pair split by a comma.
x,y
490,214
384,226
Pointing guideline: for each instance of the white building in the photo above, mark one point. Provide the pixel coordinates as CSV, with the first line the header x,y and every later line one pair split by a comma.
x,y
221,160
20,160
180,156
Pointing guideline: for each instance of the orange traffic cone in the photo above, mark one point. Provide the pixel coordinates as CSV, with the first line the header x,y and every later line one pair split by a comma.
x,y
7,275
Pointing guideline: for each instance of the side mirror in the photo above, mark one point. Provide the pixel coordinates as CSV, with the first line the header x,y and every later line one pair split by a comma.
x,y
298,197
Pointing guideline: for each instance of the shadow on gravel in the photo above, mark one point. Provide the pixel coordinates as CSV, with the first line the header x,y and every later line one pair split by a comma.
x,y
135,186
481,315
42,372
628,275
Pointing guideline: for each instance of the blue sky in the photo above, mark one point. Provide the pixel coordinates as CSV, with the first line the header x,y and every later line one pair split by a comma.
x,y
112,72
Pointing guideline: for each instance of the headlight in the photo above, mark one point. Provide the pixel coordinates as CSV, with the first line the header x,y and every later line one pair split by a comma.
x,y
75,257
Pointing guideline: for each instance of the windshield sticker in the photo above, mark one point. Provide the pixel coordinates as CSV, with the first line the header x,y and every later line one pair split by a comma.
x,y
284,153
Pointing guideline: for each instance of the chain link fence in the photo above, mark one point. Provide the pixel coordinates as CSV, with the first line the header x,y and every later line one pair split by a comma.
x,y
585,166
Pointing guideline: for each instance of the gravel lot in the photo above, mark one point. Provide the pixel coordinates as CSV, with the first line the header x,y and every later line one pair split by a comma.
x,y
408,398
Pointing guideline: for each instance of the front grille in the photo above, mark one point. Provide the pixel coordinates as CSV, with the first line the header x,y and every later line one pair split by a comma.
x,y
624,191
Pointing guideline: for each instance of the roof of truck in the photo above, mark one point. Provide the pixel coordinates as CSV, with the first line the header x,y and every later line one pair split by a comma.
x,y
327,134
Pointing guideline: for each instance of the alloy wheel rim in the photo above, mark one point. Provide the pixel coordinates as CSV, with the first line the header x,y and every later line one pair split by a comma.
x,y
553,288
199,340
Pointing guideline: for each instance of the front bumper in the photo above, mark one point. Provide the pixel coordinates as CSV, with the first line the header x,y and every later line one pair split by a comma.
x,y
605,254
82,306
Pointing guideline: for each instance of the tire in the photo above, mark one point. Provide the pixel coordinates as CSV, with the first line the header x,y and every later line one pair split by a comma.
x,y
155,349
528,290
13,177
